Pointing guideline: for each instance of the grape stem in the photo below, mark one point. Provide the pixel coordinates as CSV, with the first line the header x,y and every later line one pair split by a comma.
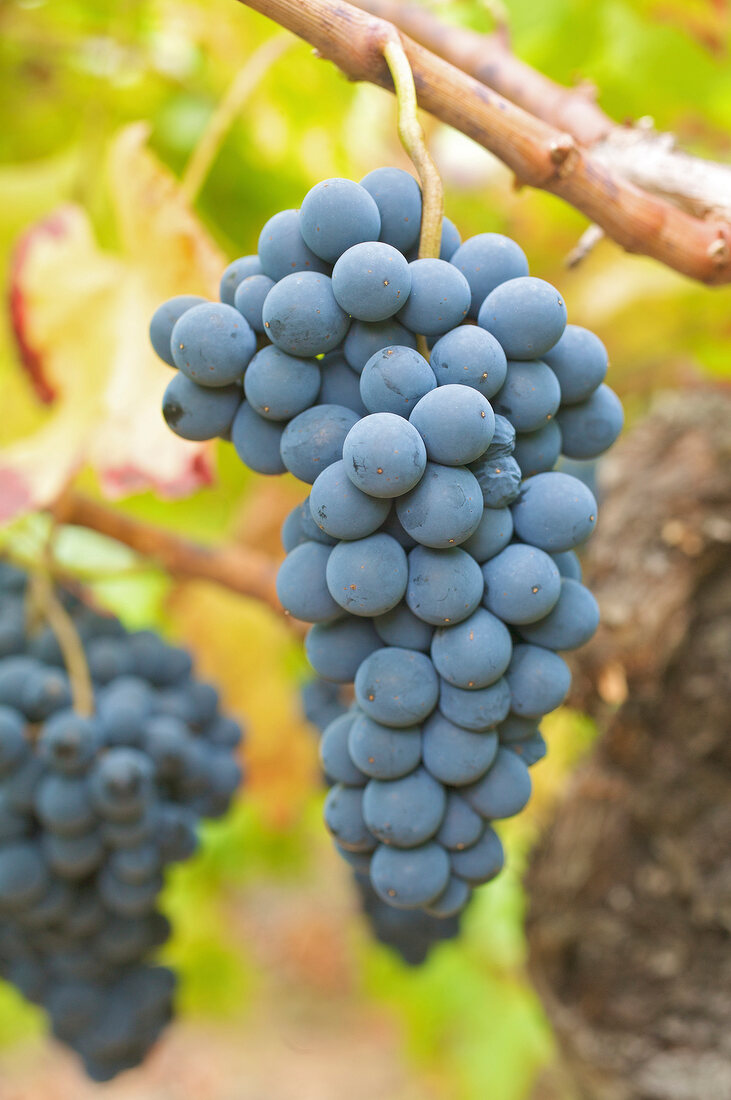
x,y
244,83
44,599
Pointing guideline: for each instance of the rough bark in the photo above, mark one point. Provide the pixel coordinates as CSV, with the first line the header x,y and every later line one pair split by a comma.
x,y
630,890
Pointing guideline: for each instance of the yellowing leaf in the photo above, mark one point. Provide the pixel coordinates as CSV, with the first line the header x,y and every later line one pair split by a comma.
x,y
81,317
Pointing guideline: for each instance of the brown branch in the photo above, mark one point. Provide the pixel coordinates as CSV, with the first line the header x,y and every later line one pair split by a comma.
x,y
640,153
235,567
539,154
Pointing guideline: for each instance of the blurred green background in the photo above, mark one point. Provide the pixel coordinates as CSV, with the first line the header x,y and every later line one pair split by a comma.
x,y
283,994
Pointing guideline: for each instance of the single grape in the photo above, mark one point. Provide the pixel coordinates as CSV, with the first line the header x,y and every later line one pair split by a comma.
x,y
461,826
250,297
23,876
334,755
493,533
384,455
515,728
282,250
579,361
568,564
371,281
63,806
539,681
400,627
279,386
257,441
486,261
163,322
530,396
196,413
398,198
482,861
340,383
526,315
469,356
342,510
345,821
337,214
235,273
301,315
73,857
381,752
522,584
498,478
410,878
397,687
365,339
453,755
453,899
503,440
478,709
456,423
444,586
450,239
474,653
394,379
315,439
570,623
439,298
537,452
589,428
13,745
504,790
212,344
367,576
404,812
336,650
444,509
555,512
531,750
69,741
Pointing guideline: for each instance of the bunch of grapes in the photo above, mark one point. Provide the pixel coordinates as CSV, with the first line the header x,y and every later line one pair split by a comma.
x,y
92,810
435,555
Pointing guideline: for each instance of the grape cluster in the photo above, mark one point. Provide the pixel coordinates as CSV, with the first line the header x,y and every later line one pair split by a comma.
x,y
435,555
92,810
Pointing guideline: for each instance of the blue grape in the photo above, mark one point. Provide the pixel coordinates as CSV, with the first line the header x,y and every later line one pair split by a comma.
x,y
120,784
336,650
13,744
539,681
212,344
163,322
568,564
73,857
321,702
531,750
469,356
445,586
257,441
345,821
504,790
537,452
291,531
46,691
310,529
456,423
398,198
314,440
337,214
397,687
530,395
478,709
235,273
282,250
474,653
23,875
482,861
453,755
585,469
334,755
522,584
400,627
63,806
364,340
503,440
279,386
392,526
570,623
486,261
301,315
342,510
69,741
404,812
13,631
439,299
196,413
381,752
461,826
13,825
515,728
394,379
135,865
493,533
554,512
19,787
579,361
451,901
450,239
250,297
384,455
526,315
499,480
301,584
367,576
589,428
444,509
126,898
371,281
109,658
167,742
409,878
340,383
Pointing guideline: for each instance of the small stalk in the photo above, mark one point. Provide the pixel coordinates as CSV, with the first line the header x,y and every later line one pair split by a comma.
x,y
44,600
